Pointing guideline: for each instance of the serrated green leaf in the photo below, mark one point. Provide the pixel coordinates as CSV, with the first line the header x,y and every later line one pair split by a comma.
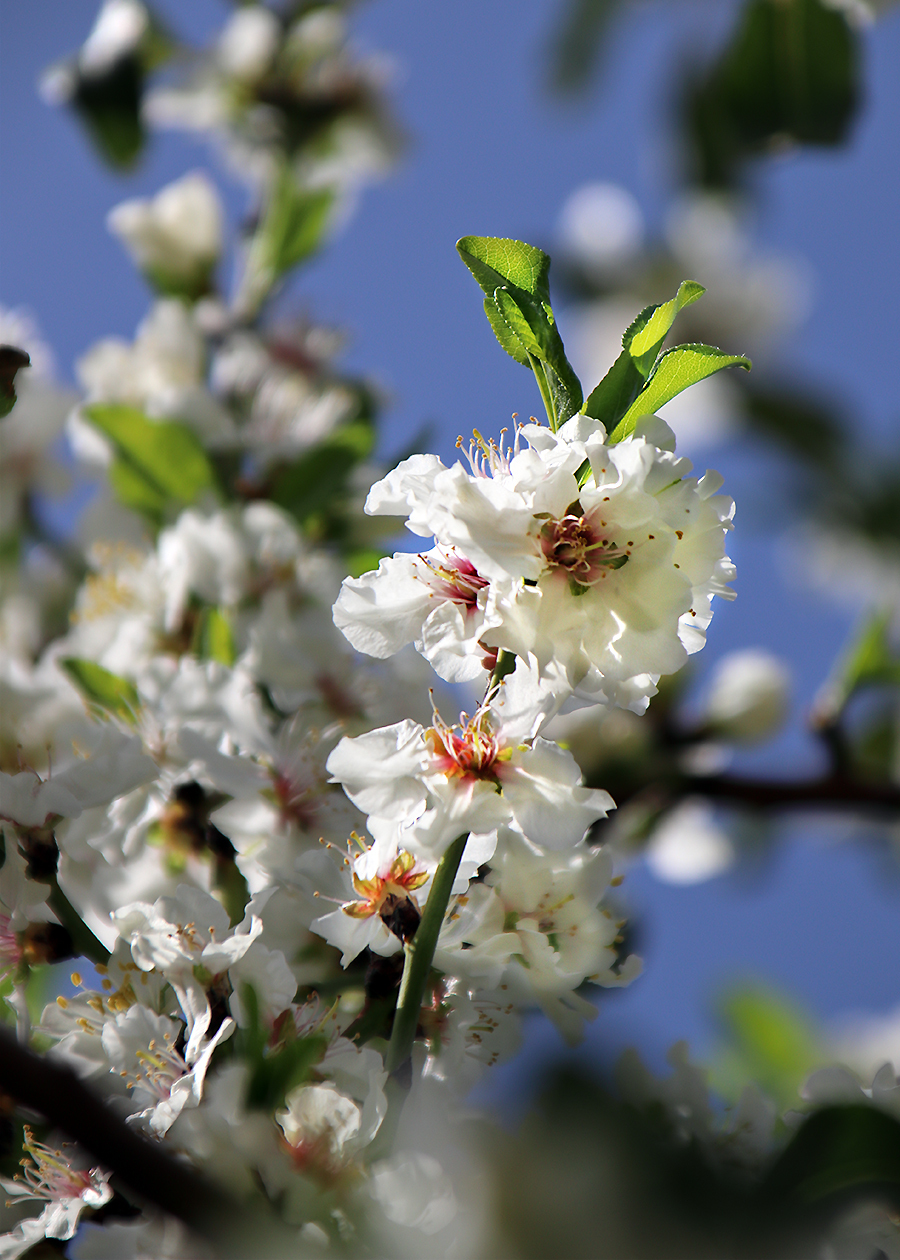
x,y
104,691
161,462
514,277
645,337
676,370
641,344
497,261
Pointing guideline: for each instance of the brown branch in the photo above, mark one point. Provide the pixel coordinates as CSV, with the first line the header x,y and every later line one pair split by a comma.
x,y
235,1229
832,791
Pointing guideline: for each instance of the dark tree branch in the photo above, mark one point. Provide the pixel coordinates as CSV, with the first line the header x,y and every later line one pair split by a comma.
x,y
833,791
235,1229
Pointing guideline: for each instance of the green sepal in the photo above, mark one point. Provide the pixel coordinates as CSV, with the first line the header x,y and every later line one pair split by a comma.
x,y
641,344
676,370
11,360
514,278
158,464
232,887
105,692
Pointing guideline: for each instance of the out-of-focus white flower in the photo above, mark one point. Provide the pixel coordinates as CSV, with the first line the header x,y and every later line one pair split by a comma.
x,y
688,846
162,372
117,33
248,42
422,788
601,226
748,696
176,236
116,766
536,926
413,1191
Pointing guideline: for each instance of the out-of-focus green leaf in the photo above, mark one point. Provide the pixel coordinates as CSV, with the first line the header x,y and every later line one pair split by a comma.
x,y
769,1041
11,360
292,226
804,425
677,370
105,692
312,483
514,278
580,43
109,105
836,1151
215,637
871,660
158,462
789,75
272,1074
641,344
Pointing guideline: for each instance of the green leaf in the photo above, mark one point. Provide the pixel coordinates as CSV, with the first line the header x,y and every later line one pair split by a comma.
x,y
105,692
158,462
580,43
215,638
497,261
645,336
871,660
514,277
676,370
313,483
839,1149
293,224
641,344
273,1074
11,360
770,1042
109,105
789,75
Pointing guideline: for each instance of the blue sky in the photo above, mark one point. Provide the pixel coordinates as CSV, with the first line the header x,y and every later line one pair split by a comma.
x,y
490,153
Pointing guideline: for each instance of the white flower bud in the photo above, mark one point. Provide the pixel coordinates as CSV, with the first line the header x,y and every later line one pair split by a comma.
x,y
688,847
176,236
748,696
249,42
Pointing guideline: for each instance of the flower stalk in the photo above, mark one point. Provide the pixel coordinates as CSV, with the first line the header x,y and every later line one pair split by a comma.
x,y
419,956
83,939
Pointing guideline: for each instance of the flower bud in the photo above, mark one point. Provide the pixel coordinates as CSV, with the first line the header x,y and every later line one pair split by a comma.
x,y
748,697
176,237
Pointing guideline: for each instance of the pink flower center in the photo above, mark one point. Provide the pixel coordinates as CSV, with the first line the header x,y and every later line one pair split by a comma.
x,y
455,579
578,546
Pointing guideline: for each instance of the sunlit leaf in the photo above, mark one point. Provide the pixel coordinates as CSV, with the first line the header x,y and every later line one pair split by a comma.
x,y
641,344
158,461
105,692
677,370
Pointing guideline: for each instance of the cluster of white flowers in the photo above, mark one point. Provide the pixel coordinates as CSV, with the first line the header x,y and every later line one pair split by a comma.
x,y
261,842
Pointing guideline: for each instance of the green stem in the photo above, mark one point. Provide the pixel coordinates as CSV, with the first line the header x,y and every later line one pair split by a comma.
x,y
541,377
83,938
419,957
506,663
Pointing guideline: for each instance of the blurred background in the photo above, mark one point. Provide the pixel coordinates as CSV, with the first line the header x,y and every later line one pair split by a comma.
x,y
621,138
